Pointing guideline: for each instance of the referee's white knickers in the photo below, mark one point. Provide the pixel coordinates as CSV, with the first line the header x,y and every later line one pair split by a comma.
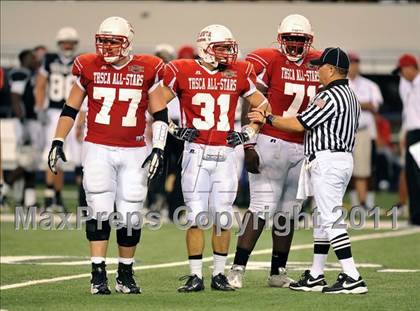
x,y
330,174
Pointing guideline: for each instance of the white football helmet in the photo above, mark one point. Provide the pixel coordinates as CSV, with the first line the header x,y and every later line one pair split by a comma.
x,y
67,39
216,45
295,36
114,38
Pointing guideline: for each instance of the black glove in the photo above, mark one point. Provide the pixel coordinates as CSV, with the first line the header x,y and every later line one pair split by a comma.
x,y
56,152
155,162
237,138
183,133
252,160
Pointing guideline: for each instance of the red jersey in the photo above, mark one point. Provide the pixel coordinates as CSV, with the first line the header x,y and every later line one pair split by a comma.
x,y
290,86
117,97
207,98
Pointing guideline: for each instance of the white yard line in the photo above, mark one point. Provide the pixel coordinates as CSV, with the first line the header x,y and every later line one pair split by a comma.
x,y
364,237
399,270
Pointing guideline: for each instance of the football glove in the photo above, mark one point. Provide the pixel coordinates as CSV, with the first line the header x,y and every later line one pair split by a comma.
x,y
238,138
182,133
155,162
56,153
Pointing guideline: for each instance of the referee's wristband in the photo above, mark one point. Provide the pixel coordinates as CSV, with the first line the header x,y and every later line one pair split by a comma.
x,y
270,119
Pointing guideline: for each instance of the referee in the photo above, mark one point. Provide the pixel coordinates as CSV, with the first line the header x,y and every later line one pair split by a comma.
x,y
330,122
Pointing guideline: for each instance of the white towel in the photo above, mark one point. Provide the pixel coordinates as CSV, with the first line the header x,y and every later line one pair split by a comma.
x,y
304,186
415,152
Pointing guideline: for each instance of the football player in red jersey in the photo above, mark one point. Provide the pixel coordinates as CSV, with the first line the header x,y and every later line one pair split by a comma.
x,y
120,87
208,90
275,158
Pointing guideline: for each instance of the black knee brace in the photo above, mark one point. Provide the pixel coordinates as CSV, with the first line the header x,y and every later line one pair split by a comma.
x,y
93,233
123,239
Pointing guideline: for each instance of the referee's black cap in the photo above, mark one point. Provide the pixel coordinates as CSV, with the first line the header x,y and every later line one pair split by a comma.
x,y
333,56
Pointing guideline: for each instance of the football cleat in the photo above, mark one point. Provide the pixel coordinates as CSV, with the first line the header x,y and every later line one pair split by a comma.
x,y
125,282
279,280
347,285
220,282
193,284
235,276
307,283
99,281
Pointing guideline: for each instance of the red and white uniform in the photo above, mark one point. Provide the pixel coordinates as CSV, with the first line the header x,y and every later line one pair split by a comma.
x,y
117,97
114,147
208,101
290,86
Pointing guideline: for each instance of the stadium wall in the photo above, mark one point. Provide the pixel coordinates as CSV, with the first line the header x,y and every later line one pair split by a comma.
x,y
377,31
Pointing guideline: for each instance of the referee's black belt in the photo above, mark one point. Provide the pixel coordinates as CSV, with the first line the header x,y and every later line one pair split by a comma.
x,y
313,156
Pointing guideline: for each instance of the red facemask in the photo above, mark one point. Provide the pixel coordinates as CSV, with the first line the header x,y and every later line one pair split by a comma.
x,y
225,52
110,45
295,45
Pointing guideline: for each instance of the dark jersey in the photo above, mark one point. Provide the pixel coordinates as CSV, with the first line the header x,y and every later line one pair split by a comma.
x,y
22,82
5,101
60,79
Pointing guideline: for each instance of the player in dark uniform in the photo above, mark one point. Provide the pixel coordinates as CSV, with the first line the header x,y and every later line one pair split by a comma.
x,y
53,83
28,130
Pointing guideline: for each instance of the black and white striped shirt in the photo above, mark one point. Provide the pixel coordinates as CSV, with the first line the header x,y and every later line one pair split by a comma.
x,y
331,119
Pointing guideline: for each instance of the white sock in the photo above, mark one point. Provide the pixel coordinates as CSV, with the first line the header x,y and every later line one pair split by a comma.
x,y
196,266
126,261
97,260
318,264
349,268
370,199
354,199
29,197
219,262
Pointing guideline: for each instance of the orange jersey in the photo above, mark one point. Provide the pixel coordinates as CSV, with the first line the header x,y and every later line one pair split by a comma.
x,y
117,97
290,86
207,98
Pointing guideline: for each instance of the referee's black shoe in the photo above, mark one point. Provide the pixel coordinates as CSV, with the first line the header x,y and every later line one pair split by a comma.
x,y
220,282
307,283
347,285
193,284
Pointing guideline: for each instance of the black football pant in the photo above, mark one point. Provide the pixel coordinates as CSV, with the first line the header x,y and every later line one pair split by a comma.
x,y
412,171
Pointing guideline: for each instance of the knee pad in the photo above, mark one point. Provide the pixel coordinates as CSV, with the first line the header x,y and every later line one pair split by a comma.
x,y
223,217
291,208
262,212
96,232
196,212
130,212
128,239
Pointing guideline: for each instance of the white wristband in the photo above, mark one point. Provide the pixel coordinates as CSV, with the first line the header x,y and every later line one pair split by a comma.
x,y
160,131
250,131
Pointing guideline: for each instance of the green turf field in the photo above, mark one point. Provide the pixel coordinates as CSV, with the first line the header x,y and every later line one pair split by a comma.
x,y
387,290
